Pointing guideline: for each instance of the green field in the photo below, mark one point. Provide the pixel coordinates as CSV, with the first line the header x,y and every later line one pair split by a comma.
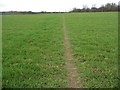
x,y
94,40
33,49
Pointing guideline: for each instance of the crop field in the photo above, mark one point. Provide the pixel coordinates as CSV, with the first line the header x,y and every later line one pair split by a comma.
x,y
94,39
33,50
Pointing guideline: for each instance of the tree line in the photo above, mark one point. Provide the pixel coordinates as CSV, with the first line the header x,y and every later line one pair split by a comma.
x,y
26,12
109,7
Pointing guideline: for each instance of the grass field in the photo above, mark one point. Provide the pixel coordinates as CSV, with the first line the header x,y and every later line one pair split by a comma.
x,y
94,39
33,49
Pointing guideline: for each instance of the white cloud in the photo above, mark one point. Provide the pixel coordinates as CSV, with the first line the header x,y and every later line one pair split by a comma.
x,y
48,5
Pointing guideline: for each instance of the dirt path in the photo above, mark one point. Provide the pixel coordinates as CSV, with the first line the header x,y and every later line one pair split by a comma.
x,y
72,72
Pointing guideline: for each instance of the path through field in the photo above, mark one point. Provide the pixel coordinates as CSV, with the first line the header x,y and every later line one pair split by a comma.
x,y
69,50
73,82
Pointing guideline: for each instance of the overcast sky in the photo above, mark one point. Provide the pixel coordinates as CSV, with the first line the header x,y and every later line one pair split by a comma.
x,y
49,5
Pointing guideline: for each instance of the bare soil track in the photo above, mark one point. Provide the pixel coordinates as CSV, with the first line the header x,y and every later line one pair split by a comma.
x,y
72,72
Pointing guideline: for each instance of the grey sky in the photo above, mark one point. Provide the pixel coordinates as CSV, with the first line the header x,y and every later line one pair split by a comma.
x,y
49,5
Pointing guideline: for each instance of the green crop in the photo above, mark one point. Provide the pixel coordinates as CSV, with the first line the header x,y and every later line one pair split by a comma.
x,y
33,54
94,38
33,50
